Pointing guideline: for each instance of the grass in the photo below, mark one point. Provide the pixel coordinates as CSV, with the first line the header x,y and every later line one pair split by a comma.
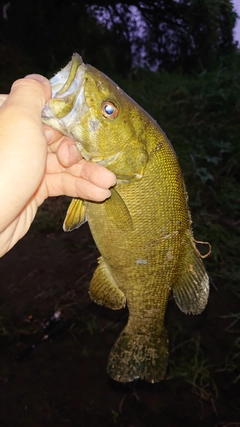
x,y
188,361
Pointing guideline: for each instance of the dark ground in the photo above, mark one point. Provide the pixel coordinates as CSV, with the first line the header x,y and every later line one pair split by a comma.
x,y
63,382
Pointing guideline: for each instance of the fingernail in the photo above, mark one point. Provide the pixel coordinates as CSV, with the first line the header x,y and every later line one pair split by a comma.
x,y
37,77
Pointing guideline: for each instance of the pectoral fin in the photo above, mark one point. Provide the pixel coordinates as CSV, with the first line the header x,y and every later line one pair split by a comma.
x,y
117,211
75,216
104,290
192,289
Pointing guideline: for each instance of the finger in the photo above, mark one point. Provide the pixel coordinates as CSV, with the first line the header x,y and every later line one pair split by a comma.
x,y
69,185
92,172
97,174
3,99
23,144
54,166
32,92
52,136
67,153
65,147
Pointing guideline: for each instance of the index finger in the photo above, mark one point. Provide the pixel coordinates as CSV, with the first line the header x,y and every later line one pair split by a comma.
x,y
52,136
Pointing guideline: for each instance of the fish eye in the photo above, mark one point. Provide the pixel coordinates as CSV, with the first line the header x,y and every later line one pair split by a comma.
x,y
109,110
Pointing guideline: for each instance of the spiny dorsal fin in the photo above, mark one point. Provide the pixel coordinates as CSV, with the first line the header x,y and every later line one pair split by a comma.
x,y
75,216
192,288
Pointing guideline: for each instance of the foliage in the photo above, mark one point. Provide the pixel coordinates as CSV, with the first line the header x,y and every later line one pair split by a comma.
x,y
120,36
45,30
188,361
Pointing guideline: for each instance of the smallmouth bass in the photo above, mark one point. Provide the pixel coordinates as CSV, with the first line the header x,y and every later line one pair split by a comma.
x,y
143,231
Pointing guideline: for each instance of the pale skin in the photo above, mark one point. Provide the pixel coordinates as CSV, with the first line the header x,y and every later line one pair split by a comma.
x,y
37,162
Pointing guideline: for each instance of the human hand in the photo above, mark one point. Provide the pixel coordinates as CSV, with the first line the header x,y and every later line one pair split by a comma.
x,y
37,162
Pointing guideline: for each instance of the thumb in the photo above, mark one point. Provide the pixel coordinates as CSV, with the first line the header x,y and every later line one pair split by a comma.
x,y
31,93
23,145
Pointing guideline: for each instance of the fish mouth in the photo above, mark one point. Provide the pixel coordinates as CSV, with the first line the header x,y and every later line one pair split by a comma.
x,y
68,100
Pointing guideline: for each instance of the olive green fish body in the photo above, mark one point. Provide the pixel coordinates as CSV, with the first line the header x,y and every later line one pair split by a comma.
x,y
143,231
143,261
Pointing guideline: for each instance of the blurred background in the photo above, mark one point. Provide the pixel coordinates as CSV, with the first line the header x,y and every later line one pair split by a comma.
x,y
117,37
180,60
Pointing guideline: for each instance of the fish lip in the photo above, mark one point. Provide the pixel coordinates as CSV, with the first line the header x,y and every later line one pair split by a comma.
x,y
67,83
62,82
74,64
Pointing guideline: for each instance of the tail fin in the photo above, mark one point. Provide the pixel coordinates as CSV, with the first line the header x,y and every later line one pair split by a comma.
x,y
140,356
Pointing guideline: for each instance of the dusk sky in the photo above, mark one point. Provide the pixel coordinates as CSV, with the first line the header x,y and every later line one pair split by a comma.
x,y
237,28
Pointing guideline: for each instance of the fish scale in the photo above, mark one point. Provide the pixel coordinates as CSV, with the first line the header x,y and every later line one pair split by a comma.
x,y
143,231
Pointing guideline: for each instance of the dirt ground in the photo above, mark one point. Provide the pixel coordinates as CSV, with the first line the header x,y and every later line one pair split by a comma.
x,y
63,380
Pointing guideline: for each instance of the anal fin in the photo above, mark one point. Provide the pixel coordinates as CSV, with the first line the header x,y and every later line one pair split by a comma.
x,y
104,290
191,291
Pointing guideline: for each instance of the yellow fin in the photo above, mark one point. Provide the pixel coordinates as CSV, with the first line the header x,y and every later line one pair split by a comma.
x,y
117,211
192,289
104,290
75,216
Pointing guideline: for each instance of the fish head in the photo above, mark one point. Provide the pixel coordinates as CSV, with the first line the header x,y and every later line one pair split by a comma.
x,y
106,124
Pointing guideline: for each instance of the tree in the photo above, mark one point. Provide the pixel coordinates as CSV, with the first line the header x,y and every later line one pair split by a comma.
x,y
121,36
186,33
